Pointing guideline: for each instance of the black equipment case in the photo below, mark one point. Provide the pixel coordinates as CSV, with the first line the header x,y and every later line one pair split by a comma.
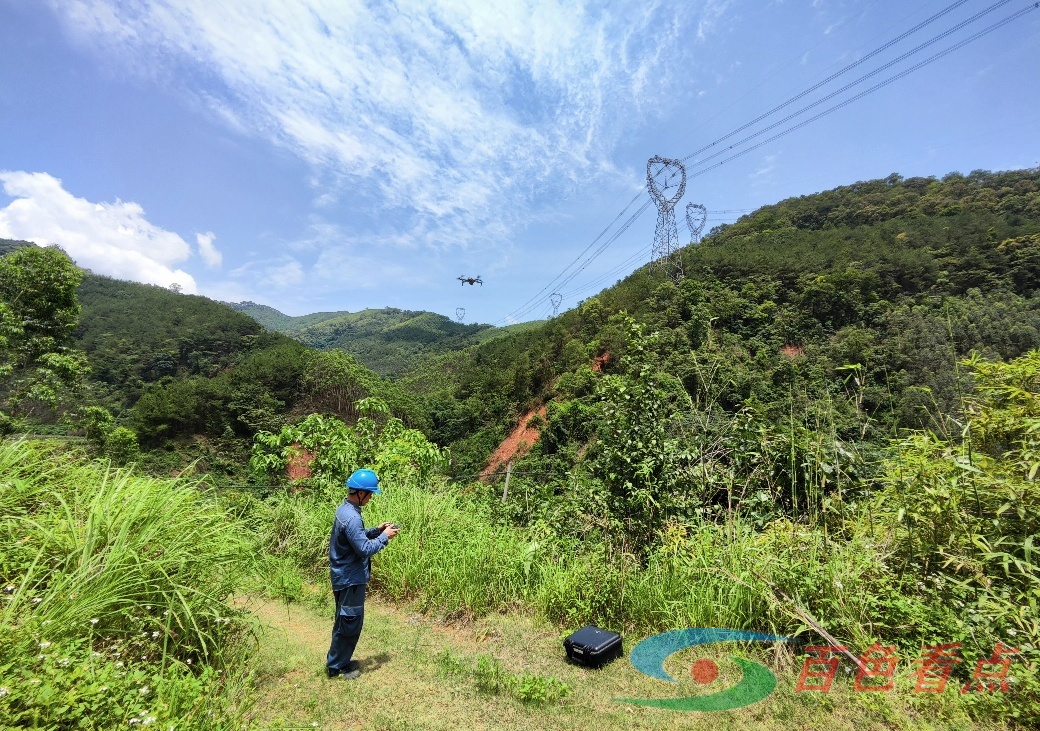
x,y
592,646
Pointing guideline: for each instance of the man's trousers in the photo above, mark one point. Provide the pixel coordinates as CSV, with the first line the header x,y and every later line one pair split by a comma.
x,y
346,630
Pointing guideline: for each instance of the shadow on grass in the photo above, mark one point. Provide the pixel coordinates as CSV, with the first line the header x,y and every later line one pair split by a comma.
x,y
374,662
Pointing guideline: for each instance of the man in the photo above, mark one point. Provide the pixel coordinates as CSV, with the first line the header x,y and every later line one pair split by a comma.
x,y
351,548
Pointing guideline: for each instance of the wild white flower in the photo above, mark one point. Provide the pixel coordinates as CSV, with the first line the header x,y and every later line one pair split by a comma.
x,y
45,644
155,634
1012,632
150,719
4,691
134,721
144,690
94,621
9,588
188,661
119,664
95,654
838,584
63,662
37,600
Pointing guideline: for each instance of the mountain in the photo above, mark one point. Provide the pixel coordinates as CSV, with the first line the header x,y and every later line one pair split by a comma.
x,y
199,379
389,341
9,245
136,334
852,307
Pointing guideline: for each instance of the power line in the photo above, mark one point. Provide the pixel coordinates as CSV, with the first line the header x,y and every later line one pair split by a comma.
x,y
876,87
523,308
861,79
533,302
849,67
794,62
602,233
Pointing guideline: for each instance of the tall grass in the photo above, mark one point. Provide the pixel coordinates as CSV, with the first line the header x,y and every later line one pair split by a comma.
x,y
125,576
451,558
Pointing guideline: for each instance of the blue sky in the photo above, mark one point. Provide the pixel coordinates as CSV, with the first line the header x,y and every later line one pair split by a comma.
x,y
319,155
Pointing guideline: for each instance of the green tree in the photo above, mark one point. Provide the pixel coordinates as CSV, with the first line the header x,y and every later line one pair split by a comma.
x,y
38,312
377,440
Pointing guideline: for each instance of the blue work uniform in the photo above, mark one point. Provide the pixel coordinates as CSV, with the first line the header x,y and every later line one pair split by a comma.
x,y
351,547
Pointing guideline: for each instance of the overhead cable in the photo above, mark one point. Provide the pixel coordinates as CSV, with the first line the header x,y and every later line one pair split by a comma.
x,y
559,283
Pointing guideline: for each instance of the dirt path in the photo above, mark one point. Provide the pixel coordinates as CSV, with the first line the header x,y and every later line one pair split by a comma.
x,y
405,683
411,681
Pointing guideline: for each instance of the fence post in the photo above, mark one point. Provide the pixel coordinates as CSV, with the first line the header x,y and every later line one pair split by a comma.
x,y
509,472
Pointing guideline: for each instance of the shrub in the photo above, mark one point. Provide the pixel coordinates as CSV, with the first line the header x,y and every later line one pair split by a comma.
x,y
121,446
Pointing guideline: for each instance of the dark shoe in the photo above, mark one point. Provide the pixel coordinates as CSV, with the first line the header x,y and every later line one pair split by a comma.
x,y
352,671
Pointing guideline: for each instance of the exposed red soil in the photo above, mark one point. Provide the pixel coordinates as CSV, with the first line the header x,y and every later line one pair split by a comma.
x,y
516,444
299,467
599,361
792,351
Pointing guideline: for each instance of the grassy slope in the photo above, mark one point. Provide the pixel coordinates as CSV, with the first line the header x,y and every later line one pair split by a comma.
x,y
407,661
113,604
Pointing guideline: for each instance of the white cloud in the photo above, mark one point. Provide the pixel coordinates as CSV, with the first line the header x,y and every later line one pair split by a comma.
x,y
114,239
711,14
765,169
454,114
280,274
208,251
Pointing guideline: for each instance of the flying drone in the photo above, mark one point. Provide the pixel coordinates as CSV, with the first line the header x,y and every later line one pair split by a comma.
x,y
472,280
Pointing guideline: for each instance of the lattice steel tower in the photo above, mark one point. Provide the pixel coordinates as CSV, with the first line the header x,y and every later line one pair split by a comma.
x,y
555,299
696,217
665,253
460,314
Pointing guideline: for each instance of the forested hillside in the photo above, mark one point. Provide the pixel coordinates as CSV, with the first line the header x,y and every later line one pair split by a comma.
x,y
859,301
182,376
388,341
136,335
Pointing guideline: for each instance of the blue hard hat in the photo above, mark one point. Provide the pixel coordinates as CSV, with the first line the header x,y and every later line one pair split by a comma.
x,y
364,480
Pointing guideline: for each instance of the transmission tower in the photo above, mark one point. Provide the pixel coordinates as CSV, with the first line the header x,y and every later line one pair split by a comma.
x,y
666,236
555,299
460,314
696,217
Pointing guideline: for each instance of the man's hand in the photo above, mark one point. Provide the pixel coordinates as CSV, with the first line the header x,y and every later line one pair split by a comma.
x,y
390,530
